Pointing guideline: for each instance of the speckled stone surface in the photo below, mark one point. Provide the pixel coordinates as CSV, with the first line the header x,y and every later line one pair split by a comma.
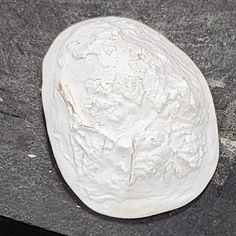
x,y
31,188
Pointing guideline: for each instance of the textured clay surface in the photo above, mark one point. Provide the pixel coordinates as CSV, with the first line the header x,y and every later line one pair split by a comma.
x,y
130,118
31,188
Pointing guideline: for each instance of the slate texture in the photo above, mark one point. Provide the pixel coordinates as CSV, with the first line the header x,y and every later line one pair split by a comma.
x,y
31,188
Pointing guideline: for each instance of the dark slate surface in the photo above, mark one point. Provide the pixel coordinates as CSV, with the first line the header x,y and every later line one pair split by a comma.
x,y
31,188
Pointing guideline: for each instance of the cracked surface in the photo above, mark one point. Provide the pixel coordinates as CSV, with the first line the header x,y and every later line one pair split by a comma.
x,y
31,188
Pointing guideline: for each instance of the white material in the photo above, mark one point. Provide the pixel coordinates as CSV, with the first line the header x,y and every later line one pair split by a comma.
x,y
130,118
32,155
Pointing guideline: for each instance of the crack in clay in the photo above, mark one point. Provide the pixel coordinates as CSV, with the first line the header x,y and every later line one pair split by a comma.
x,y
132,162
103,145
63,92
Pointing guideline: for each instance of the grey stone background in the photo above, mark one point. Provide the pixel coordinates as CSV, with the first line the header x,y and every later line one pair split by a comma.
x,y
31,188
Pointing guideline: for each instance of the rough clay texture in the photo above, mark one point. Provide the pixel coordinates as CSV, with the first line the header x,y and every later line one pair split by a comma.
x,y
32,189
130,118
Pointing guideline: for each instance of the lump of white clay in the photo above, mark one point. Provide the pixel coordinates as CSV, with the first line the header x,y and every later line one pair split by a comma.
x,y
130,118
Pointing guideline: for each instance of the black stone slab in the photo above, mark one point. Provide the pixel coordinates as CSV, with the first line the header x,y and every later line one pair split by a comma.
x,y
9,227
31,188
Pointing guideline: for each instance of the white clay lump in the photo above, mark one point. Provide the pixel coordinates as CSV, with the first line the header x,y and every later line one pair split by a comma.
x,y
130,118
